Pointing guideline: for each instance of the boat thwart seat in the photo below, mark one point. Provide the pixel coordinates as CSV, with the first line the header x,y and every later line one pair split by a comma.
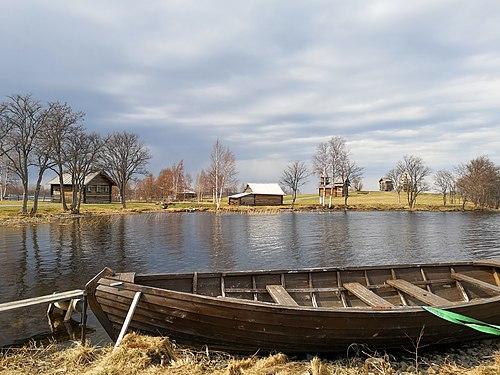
x,y
367,296
280,295
423,295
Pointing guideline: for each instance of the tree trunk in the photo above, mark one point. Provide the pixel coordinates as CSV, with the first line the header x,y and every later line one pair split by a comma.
x,y
24,209
122,197
61,189
38,186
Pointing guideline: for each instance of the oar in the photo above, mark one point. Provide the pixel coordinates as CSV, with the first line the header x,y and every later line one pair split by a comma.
x,y
464,320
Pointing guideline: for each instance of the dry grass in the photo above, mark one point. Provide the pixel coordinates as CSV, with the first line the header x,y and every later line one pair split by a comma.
x,y
157,355
10,211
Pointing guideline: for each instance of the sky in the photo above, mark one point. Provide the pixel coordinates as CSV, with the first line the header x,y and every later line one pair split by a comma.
x,y
270,79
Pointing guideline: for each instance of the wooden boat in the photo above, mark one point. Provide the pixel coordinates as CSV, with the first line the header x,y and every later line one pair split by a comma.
x,y
302,311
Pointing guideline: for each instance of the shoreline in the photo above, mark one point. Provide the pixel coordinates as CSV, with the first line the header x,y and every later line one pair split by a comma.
x,y
14,218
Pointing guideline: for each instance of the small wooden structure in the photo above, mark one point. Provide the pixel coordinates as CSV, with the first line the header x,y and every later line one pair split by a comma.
x,y
301,311
258,195
386,184
97,188
327,188
66,302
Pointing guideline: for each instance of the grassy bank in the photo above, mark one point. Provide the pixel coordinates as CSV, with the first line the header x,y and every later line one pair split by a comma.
x,y
156,355
10,211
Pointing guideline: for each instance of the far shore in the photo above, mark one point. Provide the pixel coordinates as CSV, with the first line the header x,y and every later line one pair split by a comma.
x,y
10,211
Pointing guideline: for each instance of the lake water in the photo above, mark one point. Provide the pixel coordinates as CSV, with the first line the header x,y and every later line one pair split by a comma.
x,y
45,258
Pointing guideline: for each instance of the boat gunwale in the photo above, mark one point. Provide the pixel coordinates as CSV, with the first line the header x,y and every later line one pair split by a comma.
x,y
230,301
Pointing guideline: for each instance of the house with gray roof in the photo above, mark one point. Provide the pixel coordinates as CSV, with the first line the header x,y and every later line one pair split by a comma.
x,y
258,195
96,188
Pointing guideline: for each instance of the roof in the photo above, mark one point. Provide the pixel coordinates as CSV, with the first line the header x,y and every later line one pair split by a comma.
x,y
88,178
267,189
239,195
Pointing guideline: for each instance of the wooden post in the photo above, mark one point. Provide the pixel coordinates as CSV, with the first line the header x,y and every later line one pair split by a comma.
x,y
128,319
84,318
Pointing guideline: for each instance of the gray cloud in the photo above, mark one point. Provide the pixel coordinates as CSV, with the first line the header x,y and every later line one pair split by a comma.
x,y
271,79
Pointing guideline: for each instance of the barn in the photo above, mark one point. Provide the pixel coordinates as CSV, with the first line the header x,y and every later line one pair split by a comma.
x,y
97,188
258,195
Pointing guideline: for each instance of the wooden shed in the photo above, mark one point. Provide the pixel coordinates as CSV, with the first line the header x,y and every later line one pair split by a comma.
x,y
258,195
386,184
96,189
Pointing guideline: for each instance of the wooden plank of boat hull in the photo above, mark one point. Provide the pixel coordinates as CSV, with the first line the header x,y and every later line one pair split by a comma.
x,y
478,283
280,295
419,293
291,320
286,341
367,296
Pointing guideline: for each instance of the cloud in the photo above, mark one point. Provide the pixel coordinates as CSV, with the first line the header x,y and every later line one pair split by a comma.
x,y
270,79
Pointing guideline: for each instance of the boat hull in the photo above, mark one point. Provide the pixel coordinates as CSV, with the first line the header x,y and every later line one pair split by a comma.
x,y
247,326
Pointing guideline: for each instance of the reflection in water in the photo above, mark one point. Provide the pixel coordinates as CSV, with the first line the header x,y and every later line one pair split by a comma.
x,y
42,259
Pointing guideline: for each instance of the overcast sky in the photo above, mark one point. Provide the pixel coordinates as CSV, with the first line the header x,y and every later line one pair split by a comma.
x,y
270,79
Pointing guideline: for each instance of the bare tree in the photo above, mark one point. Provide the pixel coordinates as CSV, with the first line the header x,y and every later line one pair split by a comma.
x,y
202,184
395,175
479,182
222,171
80,154
22,121
444,181
124,156
7,176
336,155
413,170
348,171
294,176
62,123
320,168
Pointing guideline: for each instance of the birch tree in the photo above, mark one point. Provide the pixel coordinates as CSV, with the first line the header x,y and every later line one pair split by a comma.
x,y
336,153
320,168
222,171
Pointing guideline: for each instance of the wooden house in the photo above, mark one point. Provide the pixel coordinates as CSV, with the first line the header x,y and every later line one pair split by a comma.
x,y
258,195
96,189
386,184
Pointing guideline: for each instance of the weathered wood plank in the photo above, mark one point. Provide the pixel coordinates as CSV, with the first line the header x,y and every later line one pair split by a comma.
x,y
280,295
367,296
423,295
478,283
50,298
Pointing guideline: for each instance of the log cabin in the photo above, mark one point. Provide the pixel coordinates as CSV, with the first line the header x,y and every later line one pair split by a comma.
x,y
258,195
97,188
